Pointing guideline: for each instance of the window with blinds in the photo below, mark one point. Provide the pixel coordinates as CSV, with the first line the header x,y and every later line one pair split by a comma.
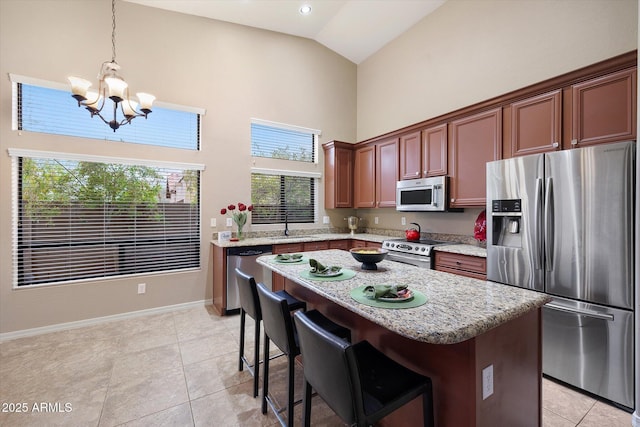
x,y
278,195
279,142
275,197
81,219
54,111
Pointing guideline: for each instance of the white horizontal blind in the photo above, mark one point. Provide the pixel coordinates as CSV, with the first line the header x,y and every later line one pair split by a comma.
x,y
275,197
282,143
78,220
54,111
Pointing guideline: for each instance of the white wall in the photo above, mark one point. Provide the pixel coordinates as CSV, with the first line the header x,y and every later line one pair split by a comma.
x,y
234,72
469,51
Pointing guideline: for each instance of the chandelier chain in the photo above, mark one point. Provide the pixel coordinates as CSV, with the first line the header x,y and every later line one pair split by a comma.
x,y
113,30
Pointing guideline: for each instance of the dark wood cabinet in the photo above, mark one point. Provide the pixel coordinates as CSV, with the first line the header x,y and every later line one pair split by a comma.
x,y
364,190
475,140
536,124
338,175
604,109
287,248
411,156
364,244
424,153
386,173
345,245
316,246
434,151
464,265
219,259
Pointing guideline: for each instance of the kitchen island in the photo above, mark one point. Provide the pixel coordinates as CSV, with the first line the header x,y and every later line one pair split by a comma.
x,y
465,326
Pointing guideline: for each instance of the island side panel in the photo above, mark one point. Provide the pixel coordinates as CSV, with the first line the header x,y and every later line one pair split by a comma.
x,y
515,351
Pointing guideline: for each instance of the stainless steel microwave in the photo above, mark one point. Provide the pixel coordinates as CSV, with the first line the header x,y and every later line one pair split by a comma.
x,y
422,195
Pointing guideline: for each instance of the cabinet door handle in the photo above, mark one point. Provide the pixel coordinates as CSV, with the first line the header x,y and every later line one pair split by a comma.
x,y
417,173
555,145
574,142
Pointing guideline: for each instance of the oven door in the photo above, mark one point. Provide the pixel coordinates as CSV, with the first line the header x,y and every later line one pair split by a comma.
x,y
417,260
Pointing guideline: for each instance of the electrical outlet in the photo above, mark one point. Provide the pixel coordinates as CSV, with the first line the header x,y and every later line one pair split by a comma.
x,y
213,222
375,220
229,222
404,221
487,382
326,220
142,288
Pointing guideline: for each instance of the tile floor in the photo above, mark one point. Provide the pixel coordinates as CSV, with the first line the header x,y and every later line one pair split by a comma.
x,y
178,369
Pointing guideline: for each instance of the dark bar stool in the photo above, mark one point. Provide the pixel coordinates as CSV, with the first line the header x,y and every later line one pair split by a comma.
x,y
359,383
250,305
278,327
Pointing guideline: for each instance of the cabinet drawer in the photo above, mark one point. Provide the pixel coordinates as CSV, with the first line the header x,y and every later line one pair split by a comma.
x,y
287,248
463,263
316,246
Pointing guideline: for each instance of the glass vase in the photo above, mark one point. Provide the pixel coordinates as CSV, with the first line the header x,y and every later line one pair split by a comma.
x,y
240,233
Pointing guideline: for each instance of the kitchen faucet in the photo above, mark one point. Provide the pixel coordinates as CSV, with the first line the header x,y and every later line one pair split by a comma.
x,y
286,224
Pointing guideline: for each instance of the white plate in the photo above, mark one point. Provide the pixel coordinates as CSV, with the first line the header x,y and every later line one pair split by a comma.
x,y
327,274
396,299
289,261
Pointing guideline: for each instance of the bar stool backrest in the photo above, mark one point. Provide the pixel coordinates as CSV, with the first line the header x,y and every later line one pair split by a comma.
x,y
330,367
276,318
248,295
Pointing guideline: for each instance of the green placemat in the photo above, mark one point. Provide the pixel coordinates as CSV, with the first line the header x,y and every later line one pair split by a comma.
x,y
418,299
300,261
346,275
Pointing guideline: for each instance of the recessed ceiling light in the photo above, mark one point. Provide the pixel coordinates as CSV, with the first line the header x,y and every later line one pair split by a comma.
x,y
305,9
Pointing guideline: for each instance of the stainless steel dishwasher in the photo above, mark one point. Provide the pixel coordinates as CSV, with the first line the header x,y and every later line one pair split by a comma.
x,y
244,258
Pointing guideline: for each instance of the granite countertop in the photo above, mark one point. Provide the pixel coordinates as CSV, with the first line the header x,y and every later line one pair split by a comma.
x,y
463,250
457,309
279,240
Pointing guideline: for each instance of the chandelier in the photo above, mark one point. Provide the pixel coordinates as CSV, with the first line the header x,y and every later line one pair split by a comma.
x,y
111,85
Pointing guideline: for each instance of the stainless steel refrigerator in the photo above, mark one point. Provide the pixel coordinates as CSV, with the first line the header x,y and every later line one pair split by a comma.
x,y
562,223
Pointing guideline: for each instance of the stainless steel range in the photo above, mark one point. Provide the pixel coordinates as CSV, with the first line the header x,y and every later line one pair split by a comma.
x,y
415,253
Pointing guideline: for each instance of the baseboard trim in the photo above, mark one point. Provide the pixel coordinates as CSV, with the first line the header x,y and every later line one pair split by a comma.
x,y
7,336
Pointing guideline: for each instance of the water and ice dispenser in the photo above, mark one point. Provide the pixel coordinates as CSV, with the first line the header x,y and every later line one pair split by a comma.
x,y
506,217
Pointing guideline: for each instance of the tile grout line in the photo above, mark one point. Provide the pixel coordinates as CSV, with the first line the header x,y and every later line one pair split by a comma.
x,y
184,375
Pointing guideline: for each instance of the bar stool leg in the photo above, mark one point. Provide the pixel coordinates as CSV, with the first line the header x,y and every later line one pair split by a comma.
x,y
265,382
256,358
290,389
242,322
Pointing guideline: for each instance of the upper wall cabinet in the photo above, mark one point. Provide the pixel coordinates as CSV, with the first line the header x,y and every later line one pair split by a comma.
x,y
434,151
424,154
475,140
364,190
604,109
535,124
387,173
338,175
410,156
376,174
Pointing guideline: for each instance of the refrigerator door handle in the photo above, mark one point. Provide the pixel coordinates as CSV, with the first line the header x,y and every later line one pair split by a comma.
x,y
548,224
583,312
537,224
